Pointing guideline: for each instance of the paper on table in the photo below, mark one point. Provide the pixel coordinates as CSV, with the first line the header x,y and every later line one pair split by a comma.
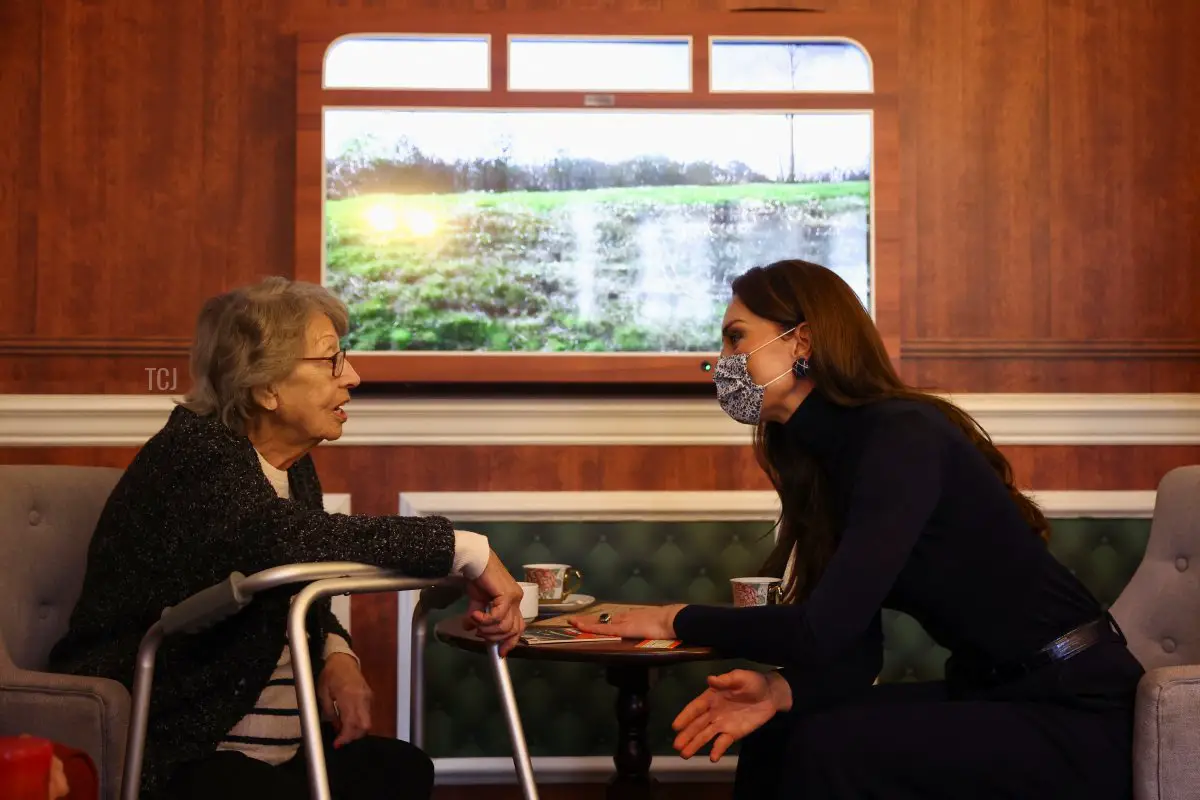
x,y
659,644
563,636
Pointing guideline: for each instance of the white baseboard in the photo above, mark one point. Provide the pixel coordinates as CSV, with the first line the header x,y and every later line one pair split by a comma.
x,y
1030,419
577,769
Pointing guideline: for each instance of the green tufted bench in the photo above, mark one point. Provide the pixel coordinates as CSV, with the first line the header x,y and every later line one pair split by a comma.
x,y
567,709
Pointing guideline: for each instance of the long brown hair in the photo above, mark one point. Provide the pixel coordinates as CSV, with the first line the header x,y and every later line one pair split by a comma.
x,y
850,366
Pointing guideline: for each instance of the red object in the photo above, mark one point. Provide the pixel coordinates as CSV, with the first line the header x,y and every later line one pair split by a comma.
x,y
25,768
80,771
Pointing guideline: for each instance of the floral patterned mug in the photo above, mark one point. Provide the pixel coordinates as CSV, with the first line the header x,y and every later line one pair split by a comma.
x,y
756,591
556,582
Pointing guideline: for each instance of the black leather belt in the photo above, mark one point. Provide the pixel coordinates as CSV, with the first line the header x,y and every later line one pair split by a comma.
x,y
1072,643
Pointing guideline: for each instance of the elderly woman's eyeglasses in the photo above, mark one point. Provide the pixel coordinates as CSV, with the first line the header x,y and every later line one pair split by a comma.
x,y
337,361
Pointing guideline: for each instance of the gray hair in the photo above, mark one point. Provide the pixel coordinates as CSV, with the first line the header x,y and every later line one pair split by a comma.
x,y
249,338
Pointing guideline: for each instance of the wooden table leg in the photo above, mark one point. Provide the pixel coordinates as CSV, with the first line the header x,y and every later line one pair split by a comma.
x,y
632,781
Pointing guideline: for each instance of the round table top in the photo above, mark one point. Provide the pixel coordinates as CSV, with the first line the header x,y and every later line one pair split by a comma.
x,y
624,652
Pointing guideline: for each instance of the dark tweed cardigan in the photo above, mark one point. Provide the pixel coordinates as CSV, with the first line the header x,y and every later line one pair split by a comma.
x,y
193,507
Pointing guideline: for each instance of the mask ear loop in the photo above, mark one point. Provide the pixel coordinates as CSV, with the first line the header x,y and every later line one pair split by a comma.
x,y
797,366
776,339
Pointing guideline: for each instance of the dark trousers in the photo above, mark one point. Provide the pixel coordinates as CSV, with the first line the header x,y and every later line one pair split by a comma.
x,y
371,768
910,741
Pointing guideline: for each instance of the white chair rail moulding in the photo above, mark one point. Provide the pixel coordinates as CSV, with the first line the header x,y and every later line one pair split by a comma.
x,y
1016,419
465,507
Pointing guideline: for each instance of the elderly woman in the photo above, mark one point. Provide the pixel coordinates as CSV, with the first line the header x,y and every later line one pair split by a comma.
x,y
229,484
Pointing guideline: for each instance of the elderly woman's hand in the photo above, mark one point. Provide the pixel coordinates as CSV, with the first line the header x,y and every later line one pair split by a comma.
x,y
502,622
345,698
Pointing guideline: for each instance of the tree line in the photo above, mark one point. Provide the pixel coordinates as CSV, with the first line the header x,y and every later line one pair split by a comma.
x,y
408,170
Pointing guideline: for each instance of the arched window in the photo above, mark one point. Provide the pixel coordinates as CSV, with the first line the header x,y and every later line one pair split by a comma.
x,y
513,190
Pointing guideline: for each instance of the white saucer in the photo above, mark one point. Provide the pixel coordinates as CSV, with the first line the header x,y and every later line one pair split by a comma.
x,y
573,602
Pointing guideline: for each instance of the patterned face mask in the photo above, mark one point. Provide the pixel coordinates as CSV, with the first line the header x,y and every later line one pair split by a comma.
x,y
740,397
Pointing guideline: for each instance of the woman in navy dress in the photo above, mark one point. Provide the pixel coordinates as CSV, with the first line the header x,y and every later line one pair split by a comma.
x,y
892,498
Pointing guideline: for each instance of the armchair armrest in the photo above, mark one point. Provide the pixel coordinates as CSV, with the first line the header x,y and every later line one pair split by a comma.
x,y
1166,737
89,714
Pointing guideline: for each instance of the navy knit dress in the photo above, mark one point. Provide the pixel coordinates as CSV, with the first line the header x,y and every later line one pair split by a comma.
x,y
927,528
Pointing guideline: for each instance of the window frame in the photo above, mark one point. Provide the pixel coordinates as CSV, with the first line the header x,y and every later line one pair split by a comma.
x,y
876,35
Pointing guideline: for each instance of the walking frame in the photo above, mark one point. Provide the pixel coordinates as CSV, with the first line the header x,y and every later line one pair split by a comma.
x,y
323,579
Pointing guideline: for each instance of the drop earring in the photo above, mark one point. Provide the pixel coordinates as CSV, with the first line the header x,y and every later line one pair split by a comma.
x,y
800,368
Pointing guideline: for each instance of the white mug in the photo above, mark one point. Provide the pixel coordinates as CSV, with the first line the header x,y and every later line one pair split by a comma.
x,y
529,600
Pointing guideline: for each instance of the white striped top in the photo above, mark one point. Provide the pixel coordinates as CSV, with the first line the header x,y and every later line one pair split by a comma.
x,y
271,732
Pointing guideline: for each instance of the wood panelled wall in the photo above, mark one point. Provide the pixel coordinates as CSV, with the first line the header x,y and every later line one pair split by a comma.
x,y
1049,226
1048,182
1052,236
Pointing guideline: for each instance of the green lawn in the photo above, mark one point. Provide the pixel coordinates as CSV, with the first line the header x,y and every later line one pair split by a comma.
x,y
348,213
507,271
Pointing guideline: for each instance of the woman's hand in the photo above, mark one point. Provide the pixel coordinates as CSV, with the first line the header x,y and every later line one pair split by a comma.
x,y
734,705
656,622
502,622
345,698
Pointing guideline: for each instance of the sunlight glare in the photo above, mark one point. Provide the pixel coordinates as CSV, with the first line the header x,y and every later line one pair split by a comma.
x,y
387,218
420,222
381,218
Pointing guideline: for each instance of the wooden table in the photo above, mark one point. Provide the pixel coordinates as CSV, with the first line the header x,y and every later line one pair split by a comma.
x,y
628,669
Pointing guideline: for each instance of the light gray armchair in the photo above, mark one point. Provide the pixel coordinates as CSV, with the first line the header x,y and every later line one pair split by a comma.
x,y
47,515
1159,611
